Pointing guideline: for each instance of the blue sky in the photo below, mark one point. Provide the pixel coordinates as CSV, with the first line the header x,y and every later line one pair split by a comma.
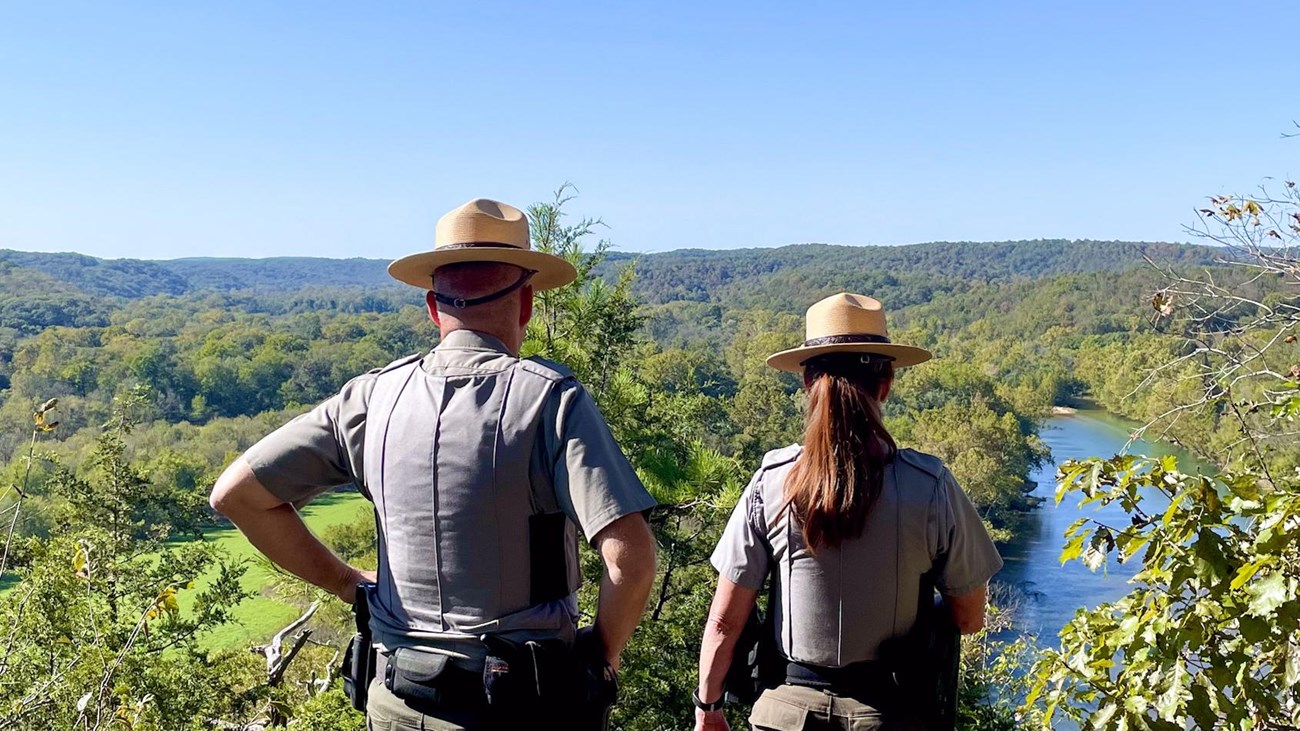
x,y
345,128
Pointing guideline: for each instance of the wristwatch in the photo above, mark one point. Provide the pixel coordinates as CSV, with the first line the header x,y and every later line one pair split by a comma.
x,y
714,706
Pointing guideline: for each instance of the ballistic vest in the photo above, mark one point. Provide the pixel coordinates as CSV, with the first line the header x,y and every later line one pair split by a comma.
x,y
458,453
850,603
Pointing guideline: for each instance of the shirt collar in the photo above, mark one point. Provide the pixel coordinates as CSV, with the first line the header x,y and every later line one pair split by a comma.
x,y
473,340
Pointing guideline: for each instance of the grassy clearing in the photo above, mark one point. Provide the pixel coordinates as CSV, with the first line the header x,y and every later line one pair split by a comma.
x,y
260,617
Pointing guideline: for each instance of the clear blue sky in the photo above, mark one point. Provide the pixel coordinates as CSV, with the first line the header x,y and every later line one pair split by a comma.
x,y
346,128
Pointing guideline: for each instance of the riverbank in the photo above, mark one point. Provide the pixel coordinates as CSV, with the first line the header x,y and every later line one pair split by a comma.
x,y
1048,592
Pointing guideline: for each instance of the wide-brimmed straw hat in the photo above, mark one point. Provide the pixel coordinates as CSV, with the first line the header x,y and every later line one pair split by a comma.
x,y
847,323
483,230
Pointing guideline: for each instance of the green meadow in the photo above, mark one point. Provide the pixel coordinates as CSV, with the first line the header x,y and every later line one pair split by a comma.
x,y
262,615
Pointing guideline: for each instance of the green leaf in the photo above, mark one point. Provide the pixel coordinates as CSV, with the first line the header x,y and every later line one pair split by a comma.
x,y
1103,715
1254,629
1170,703
1136,704
1101,543
1130,543
1203,705
1211,564
1248,571
1074,548
1244,486
1292,663
1268,594
1093,557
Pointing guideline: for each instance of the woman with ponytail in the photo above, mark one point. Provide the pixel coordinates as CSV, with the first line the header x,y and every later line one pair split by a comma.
x,y
856,536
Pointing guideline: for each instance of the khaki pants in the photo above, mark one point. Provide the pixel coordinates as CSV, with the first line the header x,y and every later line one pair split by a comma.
x,y
795,708
387,712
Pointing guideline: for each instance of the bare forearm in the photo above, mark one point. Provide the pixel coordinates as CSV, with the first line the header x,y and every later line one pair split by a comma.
x,y
281,535
727,617
276,530
627,549
619,611
728,614
716,651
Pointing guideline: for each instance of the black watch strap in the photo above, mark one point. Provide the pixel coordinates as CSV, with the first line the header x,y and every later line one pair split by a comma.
x,y
714,706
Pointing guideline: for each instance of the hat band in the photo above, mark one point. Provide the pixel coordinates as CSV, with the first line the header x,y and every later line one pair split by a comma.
x,y
844,340
483,245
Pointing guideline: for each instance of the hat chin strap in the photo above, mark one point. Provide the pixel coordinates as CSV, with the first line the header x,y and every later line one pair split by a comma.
x,y
461,303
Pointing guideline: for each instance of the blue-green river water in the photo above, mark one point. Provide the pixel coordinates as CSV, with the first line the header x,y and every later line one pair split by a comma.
x,y
1052,592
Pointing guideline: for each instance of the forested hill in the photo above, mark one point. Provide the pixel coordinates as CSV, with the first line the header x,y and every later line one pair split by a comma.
x,y
133,278
689,274
791,277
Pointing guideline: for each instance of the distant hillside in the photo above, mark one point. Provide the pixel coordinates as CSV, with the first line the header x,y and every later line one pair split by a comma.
x,y
130,278
791,277
75,288
711,275
280,274
31,300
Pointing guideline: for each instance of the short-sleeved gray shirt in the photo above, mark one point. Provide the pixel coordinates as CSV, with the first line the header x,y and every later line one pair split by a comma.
x,y
324,448
841,605
593,484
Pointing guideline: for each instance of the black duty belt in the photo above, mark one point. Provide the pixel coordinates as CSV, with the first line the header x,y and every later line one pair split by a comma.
x,y
866,681
458,689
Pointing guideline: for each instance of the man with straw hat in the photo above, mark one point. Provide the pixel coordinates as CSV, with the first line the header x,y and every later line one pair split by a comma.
x,y
482,467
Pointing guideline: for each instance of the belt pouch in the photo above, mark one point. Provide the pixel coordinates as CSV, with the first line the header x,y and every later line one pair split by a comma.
x,y
548,572
413,675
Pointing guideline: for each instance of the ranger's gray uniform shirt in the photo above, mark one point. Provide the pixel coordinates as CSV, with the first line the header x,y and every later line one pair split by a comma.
x,y
841,605
456,450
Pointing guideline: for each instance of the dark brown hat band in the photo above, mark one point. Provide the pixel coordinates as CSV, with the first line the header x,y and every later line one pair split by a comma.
x,y
483,245
845,340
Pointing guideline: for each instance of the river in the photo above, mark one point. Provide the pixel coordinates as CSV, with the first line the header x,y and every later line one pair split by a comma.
x,y
1052,592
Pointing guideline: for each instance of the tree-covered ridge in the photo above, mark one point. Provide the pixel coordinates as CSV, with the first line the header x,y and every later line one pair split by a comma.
x,y
31,300
687,274
281,273
790,277
91,275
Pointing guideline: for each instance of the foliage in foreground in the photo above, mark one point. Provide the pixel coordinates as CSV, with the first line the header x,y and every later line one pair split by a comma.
x,y
1211,631
95,636
1209,635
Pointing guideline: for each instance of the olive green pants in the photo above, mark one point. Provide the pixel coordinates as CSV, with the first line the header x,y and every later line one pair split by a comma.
x,y
387,712
795,708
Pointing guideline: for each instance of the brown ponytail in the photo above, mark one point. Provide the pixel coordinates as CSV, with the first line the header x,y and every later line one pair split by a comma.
x,y
841,471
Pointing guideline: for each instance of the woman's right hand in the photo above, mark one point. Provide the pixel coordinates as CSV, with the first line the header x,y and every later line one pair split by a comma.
x,y
711,721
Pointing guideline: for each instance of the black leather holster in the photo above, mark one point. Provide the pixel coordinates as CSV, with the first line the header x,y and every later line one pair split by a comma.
x,y
359,658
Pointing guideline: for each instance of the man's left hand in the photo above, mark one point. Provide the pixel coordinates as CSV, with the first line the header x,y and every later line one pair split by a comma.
x,y
347,591
711,721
